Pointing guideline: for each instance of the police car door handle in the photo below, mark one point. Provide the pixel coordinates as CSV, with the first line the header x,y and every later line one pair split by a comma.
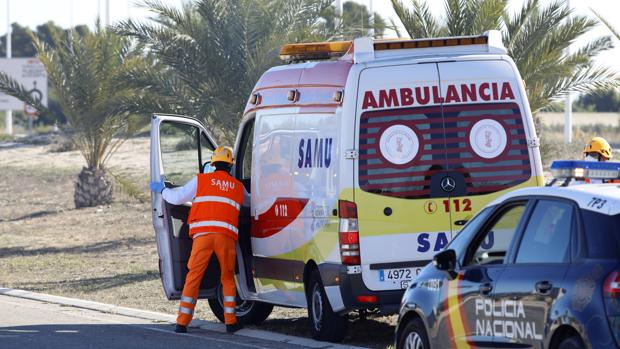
x,y
543,287
486,288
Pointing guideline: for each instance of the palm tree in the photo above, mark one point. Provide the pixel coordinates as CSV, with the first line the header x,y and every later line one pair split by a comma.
x,y
213,51
87,70
536,37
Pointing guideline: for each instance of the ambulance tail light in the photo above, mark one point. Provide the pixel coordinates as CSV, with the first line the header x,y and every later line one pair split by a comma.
x,y
349,233
612,285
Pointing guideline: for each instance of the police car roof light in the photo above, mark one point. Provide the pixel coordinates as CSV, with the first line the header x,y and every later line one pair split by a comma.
x,y
580,169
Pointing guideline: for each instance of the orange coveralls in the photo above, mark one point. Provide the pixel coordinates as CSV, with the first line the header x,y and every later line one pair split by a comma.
x,y
213,224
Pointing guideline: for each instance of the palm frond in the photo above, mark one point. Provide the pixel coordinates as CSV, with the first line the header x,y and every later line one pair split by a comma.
x,y
611,28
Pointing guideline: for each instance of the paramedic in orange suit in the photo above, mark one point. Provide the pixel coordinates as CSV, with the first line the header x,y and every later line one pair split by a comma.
x,y
213,225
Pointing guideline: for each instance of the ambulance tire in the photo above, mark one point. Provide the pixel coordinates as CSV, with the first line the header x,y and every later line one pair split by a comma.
x,y
413,336
572,342
248,312
325,325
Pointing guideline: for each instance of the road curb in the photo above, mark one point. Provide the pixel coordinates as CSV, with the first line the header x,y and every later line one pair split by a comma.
x,y
154,316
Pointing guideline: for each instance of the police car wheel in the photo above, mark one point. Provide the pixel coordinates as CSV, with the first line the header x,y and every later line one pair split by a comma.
x,y
413,336
572,342
325,324
248,312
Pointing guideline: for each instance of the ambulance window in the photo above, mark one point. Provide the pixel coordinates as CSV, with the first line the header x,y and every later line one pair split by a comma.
x,y
244,154
206,149
492,247
179,151
548,233
487,144
399,150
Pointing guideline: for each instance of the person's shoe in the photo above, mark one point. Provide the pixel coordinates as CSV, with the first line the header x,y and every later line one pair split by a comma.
x,y
234,327
180,329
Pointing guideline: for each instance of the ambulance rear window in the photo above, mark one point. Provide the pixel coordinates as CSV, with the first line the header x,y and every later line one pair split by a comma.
x,y
401,149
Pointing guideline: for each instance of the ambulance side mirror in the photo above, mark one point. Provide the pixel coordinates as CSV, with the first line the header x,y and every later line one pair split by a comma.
x,y
445,261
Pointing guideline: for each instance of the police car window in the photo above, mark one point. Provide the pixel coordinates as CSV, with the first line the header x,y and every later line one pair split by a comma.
x,y
546,238
461,241
400,149
602,235
179,151
494,244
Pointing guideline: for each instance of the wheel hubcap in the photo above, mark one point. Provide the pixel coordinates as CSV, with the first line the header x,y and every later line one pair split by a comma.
x,y
243,307
414,341
317,307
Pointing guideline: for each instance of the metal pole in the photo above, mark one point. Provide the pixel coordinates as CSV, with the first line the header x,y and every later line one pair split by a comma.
x,y
338,19
107,13
8,119
371,31
568,106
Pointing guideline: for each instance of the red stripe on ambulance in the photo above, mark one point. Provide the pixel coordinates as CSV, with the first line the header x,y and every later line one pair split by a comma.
x,y
281,214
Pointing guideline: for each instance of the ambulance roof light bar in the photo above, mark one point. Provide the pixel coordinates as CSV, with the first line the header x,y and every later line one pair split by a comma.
x,y
365,48
580,169
314,51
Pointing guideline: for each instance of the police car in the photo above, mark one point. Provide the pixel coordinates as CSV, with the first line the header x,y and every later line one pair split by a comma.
x,y
536,268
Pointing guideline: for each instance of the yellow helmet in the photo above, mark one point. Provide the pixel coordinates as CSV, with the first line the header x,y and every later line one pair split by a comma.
x,y
598,145
222,154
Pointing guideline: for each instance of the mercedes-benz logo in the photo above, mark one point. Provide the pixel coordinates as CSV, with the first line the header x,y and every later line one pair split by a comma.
x,y
448,184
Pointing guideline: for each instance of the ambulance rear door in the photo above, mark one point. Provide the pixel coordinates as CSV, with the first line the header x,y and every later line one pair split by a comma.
x,y
486,136
401,156
179,148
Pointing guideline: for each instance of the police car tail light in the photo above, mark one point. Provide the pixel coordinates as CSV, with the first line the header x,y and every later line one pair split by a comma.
x,y
585,169
612,285
349,233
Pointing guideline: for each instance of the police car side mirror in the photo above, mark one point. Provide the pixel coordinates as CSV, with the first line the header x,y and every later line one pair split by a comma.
x,y
445,261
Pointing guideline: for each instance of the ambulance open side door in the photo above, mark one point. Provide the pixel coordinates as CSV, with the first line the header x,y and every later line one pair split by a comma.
x,y
179,148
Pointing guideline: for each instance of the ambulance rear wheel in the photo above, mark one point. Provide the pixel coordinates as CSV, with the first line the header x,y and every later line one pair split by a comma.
x,y
248,312
413,336
326,325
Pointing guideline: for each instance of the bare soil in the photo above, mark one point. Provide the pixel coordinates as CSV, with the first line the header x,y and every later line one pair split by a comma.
x,y
107,253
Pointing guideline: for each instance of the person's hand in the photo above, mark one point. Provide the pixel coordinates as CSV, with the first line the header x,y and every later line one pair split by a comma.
x,y
158,187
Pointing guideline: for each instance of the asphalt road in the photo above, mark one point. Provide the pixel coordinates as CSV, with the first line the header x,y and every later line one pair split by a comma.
x,y
32,324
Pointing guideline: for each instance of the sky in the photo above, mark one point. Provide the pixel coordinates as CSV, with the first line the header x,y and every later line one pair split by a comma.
x,y
73,12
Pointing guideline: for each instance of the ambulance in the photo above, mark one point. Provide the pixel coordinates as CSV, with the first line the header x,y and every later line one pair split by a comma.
x,y
361,160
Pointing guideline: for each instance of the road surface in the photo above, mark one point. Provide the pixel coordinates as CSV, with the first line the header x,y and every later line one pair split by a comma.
x,y
27,323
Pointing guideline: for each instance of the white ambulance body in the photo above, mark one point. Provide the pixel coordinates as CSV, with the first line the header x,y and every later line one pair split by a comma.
x,y
359,170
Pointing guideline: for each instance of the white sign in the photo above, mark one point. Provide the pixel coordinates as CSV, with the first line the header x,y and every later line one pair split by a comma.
x,y
399,144
28,72
488,138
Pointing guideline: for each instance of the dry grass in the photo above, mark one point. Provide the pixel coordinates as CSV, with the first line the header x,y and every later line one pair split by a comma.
x,y
105,254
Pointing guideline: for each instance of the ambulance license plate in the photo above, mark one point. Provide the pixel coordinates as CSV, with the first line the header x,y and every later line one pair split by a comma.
x,y
401,276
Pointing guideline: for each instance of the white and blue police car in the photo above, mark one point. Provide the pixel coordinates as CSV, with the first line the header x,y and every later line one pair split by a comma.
x,y
537,268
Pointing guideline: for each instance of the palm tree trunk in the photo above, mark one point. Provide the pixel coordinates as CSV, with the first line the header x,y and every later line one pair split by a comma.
x,y
93,188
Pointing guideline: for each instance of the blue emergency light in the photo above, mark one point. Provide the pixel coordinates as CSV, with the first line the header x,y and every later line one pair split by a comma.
x,y
580,169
